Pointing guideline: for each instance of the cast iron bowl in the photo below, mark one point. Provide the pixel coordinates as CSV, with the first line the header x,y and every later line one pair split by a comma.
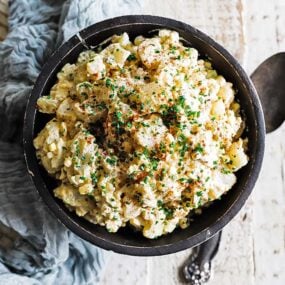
x,y
213,218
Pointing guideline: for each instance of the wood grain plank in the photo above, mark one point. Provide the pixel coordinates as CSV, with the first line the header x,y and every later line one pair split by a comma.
x,y
234,261
3,19
3,33
222,20
166,269
127,270
4,7
265,22
280,24
269,214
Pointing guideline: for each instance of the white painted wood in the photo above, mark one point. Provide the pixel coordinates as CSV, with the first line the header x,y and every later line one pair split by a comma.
x,y
264,29
252,250
123,269
265,22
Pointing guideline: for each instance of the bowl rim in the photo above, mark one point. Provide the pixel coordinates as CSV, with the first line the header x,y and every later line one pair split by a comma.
x,y
32,163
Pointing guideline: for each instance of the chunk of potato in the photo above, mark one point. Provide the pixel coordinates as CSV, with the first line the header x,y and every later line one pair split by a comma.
x,y
149,52
237,155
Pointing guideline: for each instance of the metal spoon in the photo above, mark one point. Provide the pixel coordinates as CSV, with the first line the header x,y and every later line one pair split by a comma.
x,y
269,81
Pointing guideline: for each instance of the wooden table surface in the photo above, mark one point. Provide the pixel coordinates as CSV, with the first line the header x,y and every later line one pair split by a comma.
x,y
252,250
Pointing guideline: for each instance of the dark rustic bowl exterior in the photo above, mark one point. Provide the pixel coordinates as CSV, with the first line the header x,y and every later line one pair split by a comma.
x,y
212,219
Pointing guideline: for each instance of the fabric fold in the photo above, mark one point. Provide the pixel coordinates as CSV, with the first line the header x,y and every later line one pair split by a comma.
x,y
34,247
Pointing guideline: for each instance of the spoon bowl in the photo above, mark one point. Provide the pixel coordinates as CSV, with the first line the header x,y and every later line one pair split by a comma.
x,y
269,81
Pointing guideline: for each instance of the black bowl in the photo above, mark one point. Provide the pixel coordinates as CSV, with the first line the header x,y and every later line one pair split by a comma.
x,y
213,218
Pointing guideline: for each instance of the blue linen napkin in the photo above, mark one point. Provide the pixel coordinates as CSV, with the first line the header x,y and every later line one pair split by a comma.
x,y
34,247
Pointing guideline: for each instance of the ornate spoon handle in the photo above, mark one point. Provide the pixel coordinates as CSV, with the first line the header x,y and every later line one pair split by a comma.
x,y
197,271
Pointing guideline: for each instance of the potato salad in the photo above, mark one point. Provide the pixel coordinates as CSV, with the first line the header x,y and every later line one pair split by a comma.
x,y
143,132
